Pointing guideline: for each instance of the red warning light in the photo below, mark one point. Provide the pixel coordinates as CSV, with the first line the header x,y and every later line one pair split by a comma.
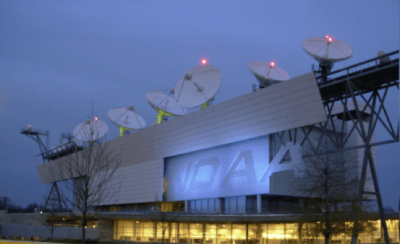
x,y
326,36
123,107
95,118
272,64
204,61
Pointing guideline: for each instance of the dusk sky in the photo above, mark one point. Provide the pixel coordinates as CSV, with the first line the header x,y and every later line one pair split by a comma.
x,y
58,57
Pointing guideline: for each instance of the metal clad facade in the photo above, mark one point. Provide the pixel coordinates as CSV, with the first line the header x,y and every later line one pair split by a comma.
x,y
294,103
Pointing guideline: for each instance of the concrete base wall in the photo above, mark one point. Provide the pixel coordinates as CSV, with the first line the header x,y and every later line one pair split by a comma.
x,y
8,231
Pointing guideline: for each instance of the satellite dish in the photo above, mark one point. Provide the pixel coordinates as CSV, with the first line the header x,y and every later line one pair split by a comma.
x,y
268,73
90,131
164,105
126,119
29,127
197,86
327,50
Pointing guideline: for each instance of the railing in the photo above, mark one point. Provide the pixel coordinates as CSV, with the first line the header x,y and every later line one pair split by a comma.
x,y
25,130
373,63
60,149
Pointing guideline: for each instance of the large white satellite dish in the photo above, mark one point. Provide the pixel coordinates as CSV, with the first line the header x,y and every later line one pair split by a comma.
x,y
164,105
325,49
198,86
126,119
268,73
90,131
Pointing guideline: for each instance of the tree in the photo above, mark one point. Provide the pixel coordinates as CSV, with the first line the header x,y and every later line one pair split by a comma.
x,y
388,209
330,181
5,203
88,174
50,213
166,215
50,224
31,208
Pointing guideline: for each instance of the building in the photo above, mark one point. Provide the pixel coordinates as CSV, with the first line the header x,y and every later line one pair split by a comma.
x,y
226,173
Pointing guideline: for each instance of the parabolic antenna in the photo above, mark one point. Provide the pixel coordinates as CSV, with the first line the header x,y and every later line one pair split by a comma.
x,y
126,119
268,73
90,131
164,105
198,86
325,49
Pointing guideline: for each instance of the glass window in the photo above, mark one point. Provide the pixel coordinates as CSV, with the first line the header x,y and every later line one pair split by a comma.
x,y
192,206
224,234
115,230
211,206
273,206
183,233
264,204
196,233
173,232
241,207
125,230
392,227
291,232
376,231
264,233
239,234
221,203
276,233
211,233
254,232
232,204
163,232
204,205
251,204
198,206
227,207
148,232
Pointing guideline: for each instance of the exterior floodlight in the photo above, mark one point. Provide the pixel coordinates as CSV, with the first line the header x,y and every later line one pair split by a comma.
x,y
204,61
272,64
96,118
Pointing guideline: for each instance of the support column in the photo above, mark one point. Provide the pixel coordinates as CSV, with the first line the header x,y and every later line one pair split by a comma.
x,y
259,203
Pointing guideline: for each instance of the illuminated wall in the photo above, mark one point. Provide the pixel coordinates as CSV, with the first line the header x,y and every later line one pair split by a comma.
x,y
241,168
228,170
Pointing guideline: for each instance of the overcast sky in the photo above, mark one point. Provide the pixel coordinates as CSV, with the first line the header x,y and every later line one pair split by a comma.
x,y
56,57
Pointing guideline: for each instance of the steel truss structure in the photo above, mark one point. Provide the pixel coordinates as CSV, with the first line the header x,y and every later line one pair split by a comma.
x,y
368,82
54,194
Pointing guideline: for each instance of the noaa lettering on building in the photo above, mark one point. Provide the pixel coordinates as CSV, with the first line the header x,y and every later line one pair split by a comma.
x,y
229,170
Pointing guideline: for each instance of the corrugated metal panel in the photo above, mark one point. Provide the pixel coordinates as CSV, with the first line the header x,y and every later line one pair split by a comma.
x,y
290,104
